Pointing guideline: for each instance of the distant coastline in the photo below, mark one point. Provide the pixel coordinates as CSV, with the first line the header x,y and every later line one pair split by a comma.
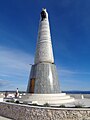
x,y
67,92
76,92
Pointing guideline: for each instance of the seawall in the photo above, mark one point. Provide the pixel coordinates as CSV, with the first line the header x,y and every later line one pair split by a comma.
x,y
26,112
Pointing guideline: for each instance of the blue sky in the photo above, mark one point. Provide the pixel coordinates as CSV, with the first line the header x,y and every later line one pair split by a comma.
x,y
70,31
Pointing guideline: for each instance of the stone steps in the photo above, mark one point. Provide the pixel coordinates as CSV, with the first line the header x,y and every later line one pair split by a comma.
x,y
54,95
47,98
54,102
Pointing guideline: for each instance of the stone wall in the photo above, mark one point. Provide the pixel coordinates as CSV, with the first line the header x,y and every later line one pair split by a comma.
x,y
26,112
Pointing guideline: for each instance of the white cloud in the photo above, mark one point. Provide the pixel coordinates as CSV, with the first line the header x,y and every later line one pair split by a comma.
x,y
73,79
67,72
3,82
14,68
14,62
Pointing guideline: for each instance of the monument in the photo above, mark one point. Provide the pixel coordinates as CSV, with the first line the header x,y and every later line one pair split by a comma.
x,y
43,85
43,77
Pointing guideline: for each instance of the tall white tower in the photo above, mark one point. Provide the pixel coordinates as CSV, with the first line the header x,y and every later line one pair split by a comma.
x,y
44,52
43,77
43,85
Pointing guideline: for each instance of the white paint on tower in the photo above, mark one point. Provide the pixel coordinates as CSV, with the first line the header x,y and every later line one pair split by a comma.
x,y
44,52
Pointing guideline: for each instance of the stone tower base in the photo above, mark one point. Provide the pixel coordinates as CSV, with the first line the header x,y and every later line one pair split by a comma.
x,y
43,79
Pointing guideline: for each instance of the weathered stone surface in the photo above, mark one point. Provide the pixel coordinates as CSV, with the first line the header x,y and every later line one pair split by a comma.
x,y
46,78
43,76
25,112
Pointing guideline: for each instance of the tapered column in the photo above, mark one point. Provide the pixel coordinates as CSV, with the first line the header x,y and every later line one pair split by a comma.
x,y
43,76
44,52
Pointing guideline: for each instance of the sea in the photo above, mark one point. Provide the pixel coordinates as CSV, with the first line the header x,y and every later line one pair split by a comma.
x,y
67,92
76,92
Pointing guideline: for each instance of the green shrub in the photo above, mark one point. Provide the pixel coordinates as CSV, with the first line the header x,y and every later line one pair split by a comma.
x,y
46,105
10,101
17,101
78,106
62,106
7,101
35,104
